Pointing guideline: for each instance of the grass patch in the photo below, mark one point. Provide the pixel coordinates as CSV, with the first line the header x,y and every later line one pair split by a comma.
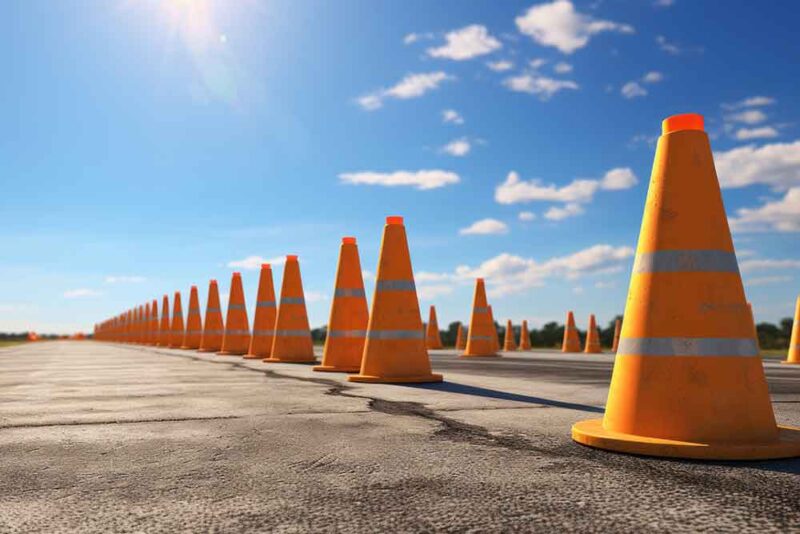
x,y
9,343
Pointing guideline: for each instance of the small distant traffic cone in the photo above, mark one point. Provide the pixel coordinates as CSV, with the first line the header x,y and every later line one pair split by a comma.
x,y
617,327
152,327
347,326
395,348
572,342
139,330
146,325
509,343
236,337
433,338
793,357
482,333
524,337
264,320
213,328
177,329
194,323
292,342
592,337
164,329
461,340
688,381
495,334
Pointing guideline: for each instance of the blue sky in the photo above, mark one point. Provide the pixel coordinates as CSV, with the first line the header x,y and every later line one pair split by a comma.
x,y
150,145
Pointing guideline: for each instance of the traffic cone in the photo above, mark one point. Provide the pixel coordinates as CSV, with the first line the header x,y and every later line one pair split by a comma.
x,y
164,329
292,342
509,343
755,330
152,327
264,320
141,330
177,329
524,337
213,328
347,326
146,325
495,335
236,336
433,340
592,337
461,341
617,327
793,357
194,323
481,334
688,381
572,342
395,348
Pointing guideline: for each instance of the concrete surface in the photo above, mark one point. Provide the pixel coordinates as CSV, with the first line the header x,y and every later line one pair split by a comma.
x,y
98,437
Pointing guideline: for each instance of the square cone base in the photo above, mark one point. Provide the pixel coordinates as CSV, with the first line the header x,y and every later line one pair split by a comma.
x,y
396,379
333,369
279,360
479,356
593,434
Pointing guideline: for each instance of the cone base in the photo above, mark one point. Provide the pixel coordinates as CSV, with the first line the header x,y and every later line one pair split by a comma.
x,y
189,348
419,379
207,350
598,351
334,369
479,356
282,360
255,356
787,362
231,353
593,434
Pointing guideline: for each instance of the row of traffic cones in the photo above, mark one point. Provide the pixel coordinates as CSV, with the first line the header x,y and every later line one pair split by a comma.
x,y
572,343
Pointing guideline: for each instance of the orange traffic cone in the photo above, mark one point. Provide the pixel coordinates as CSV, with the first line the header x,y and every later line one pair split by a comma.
x,y
688,381
213,328
592,337
495,335
138,330
433,338
292,342
509,343
141,334
146,325
347,327
617,327
177,329
461,340
481,334
524,337
194,323
395,348
152,327
572,342
793,357
164,329
264,321
236,337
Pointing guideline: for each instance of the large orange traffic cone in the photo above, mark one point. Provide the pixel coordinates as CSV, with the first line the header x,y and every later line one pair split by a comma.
x,y
194,323
433,340
461,340
164,329
793,356
592,337
292,342
177,329
481,334
213,328
395,348
572,342
688,381
152,327
617,327
347,326
509,343
236,336
264,321
495,334
524,337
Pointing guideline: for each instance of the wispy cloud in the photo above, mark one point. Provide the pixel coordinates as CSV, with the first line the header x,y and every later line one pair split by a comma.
x,y
535,84
526,216
776,165
422,180
500,65
411,86
556,213
124,279
485,227
466,43
635,88
451,116
253,263
780,215
81,293
763,132
457,147
514,190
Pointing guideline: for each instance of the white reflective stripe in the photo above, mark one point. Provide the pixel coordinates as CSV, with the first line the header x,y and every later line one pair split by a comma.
x,y
481,338
213,332
177,316
193,332
687,346
237,332
265,304
212,310
343,292
395,285
347,333
236,307
263,333
673,261
292,333
396,334
292,300
481,309
194,312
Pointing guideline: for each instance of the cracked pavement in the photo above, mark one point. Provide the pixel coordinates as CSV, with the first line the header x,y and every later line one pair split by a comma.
x,y
98,437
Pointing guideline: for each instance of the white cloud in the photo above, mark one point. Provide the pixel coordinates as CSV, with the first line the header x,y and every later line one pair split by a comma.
x,y
537,63
776,164
764,280
457,147
750,116
764,132
781,215
451,116
633,90
315,296
423,180
557,24
536,84
668,47
466,43
556,213
562,67
411,86
618,178
664,3
653,77
526,216
753,101
367,275
485,227
410,38
513,190
768,264
124,279
425,276
253,263
81,293
430,292
500,66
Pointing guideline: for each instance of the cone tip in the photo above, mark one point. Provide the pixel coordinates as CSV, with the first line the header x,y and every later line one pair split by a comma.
x,y
684,121
291,257
348,241
213,281
236,274
394,219
266,266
